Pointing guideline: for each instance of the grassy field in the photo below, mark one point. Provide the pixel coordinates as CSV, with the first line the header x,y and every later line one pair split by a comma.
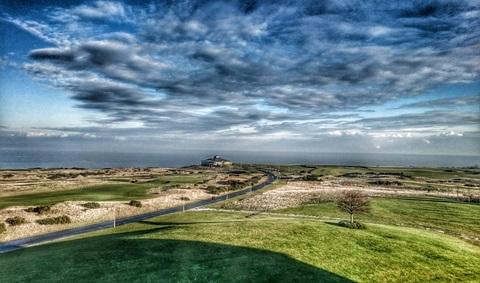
x,y
432,173
438,214
105,192
236,247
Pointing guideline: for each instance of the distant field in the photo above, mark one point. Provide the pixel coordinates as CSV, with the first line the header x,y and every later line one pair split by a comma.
x,y
460,219
433,173
334,170
238,247
106,192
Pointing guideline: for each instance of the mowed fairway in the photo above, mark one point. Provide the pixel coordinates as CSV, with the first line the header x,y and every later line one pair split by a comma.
x,y
105,192
211,246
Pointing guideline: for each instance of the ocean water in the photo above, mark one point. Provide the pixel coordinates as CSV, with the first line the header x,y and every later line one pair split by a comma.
x,y
33,158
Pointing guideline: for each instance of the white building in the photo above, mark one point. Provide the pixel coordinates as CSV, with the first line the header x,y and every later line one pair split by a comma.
x,y
216,161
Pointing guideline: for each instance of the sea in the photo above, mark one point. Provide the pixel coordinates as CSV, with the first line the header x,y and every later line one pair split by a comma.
x,y
42,158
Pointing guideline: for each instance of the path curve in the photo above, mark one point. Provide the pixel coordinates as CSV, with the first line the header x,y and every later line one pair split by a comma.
x,y
40,239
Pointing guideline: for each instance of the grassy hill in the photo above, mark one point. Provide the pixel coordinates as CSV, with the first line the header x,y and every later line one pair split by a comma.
x,y
455,218
238,247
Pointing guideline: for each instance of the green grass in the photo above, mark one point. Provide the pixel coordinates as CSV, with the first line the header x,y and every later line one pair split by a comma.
x,y
105,192
230,247
431,173
439,214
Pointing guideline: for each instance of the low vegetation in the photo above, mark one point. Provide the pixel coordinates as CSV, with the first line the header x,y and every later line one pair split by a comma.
x,y
64,219
135,203
91,205
39,209
16,221
3,228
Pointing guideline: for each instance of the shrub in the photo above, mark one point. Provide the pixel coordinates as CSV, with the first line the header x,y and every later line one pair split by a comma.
x,y
15,221
351,225
310,178
3,228
385,183
39,209
91,205
185,198
64,219
216,190
135,203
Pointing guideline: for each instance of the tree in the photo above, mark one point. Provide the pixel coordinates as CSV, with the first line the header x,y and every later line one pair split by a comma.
x,y
353,202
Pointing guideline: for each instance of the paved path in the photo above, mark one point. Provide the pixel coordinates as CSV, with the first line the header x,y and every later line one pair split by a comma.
x,y
39,239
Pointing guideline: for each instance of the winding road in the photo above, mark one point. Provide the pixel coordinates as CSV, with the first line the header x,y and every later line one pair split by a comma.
x,y
40,239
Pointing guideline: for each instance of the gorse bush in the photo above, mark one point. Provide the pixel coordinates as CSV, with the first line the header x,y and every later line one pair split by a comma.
x,y
15,221
91,205
217,189
3,228
135,203
39,209
64,219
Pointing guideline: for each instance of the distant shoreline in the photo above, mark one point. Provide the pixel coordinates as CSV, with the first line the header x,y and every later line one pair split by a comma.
x,y
27,159
258,164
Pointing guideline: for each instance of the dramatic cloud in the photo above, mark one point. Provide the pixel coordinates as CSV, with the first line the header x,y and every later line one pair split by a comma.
x,y
262,67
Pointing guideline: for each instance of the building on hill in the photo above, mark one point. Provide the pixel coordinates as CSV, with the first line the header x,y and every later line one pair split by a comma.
x,y
216,161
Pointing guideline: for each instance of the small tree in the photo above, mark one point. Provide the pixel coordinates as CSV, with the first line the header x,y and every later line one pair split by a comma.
x,y
353,202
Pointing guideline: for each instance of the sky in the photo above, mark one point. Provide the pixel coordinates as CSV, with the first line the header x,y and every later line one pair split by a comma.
x,y
309,76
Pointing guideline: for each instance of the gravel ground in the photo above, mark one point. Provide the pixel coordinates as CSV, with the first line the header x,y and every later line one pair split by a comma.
x,y
296,193
82,216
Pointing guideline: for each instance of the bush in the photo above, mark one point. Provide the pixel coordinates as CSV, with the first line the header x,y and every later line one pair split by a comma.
x,y
15,221
39,209
216,190
91,205
3,228
354,225
310,178
385,183
64,219
185,198
135,203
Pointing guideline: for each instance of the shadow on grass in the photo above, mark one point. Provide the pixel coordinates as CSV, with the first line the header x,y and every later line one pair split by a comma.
x,y
438,199
162,223
127,257
344,225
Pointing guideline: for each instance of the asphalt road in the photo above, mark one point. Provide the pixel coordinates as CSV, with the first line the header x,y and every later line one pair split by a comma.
x,y
39,239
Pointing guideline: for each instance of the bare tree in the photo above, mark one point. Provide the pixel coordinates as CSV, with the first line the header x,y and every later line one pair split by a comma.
x,y
353,202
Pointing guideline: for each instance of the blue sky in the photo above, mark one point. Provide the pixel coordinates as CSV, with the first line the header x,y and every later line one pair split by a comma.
x,y
335,76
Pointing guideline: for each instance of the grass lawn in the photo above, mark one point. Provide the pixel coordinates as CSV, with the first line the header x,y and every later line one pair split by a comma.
x,y
236,247
105,192
439,214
